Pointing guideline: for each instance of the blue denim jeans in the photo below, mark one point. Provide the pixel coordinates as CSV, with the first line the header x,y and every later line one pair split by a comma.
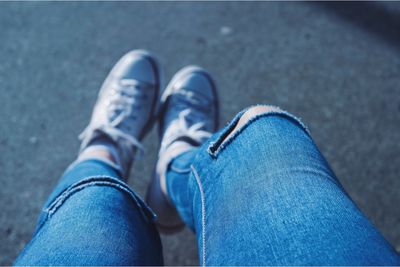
x,y
263,195
93,218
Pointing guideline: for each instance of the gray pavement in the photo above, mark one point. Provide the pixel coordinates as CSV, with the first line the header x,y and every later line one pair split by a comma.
x,y
335,66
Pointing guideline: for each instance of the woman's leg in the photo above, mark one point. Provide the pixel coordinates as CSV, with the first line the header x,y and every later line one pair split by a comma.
x,y
265,195
258,192
92,217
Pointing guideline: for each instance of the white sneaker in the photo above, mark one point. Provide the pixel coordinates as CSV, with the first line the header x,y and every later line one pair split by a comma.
x,y
126,107
188,118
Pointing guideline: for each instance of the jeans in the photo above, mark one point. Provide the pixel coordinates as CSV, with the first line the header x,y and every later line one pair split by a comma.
x,y
263,195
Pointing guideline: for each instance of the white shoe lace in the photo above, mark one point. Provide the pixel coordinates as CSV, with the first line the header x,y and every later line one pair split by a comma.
x,y
120,107
180,128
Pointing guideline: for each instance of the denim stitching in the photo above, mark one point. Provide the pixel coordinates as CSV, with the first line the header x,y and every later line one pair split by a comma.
x,y
216,147
99,181
203,214
179,170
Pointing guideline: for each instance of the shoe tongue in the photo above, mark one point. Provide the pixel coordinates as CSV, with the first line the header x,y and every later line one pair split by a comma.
x,y
194,102
194,98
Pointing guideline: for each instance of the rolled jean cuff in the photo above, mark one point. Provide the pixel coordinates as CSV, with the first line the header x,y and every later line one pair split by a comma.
x,y
147,214
109,163
165,160
222,140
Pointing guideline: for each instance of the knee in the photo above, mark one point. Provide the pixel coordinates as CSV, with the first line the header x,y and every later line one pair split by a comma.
x,y
253,112
250,116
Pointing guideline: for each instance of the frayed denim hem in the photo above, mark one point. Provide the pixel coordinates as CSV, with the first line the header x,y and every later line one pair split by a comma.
x,y
222,141
148,214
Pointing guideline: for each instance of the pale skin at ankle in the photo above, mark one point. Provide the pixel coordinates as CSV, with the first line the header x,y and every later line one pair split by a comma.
x,y
98,153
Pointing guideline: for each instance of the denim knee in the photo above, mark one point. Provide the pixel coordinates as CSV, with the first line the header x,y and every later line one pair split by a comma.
x,y
102,217
92,181
231,131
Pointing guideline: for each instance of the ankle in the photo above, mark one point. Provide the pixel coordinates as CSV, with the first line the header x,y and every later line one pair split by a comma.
x,y
103,154
166,157
97,152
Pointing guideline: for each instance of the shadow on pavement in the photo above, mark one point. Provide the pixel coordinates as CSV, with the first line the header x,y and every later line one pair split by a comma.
x,y
380,19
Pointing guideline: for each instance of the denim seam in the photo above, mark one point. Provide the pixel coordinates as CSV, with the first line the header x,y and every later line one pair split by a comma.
x,y
216,147
146,212
179,170
203,213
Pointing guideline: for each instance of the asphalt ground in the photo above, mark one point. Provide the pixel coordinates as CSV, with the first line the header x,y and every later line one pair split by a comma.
x,y
335,65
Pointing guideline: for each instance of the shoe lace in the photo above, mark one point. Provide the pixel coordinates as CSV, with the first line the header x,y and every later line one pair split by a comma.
x,y
181,128
124,101
121,105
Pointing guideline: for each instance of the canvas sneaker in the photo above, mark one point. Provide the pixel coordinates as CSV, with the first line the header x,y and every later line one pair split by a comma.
x,y
126,107
188,118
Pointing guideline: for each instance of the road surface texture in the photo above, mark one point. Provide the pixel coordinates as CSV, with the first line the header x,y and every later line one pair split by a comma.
x,y
335,65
